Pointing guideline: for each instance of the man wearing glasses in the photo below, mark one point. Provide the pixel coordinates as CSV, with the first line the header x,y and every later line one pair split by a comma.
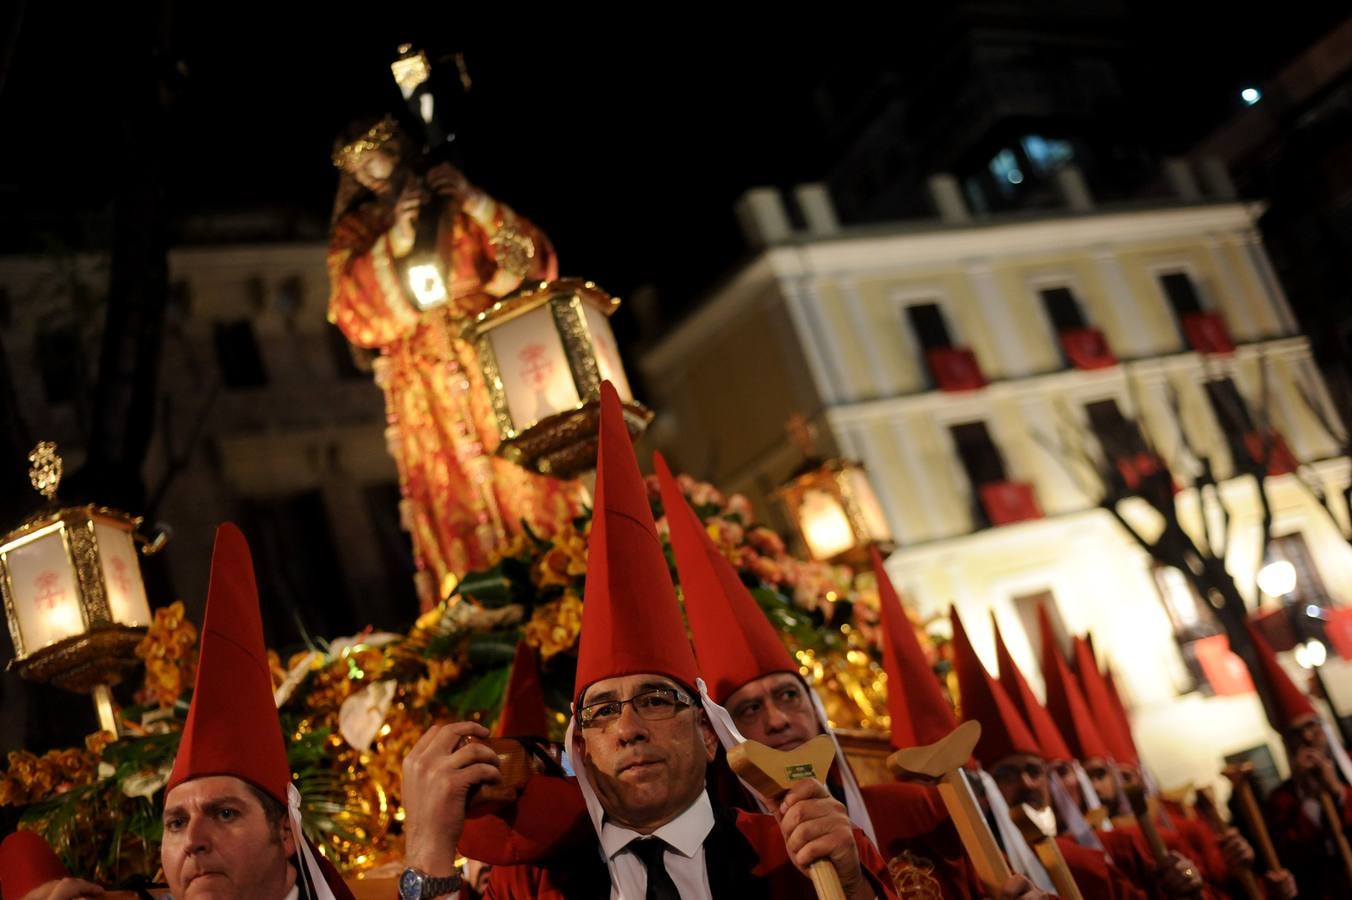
x,y
752,675
641,744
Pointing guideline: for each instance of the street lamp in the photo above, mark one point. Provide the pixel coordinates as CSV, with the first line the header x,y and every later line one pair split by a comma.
x,y
544,351
73,594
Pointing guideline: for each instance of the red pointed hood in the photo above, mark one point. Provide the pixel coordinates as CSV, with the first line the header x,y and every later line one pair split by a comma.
x,y
734,641
1065,701
1003,732
1292,703
524,713
1116,734
1048,736
232,726
920,711
26,863
631,622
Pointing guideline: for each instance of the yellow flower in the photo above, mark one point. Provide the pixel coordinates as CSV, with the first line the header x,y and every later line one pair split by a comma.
x,y
553,627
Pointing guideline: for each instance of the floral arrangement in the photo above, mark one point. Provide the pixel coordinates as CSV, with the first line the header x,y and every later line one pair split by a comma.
x,y
353,708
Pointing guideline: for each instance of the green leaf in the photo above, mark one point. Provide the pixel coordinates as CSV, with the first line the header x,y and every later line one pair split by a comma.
x,y
481,694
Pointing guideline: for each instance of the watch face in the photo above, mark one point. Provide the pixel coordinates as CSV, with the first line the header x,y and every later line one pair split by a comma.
x,y
410,885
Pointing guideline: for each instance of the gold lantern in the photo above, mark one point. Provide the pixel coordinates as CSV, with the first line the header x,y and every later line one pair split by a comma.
x,y
833,505
544,351
74,598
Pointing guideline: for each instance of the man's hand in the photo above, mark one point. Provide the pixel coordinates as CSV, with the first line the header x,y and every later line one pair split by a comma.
x,y
1017,887
65,889
1315,770
1178,876
817,827
437,781
1281,885
1238,852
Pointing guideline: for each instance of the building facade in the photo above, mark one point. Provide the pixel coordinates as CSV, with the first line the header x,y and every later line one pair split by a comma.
x,y
972,364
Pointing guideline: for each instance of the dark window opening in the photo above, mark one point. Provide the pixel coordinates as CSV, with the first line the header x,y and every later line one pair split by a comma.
x,y
1062,309
927,322
1182,293
1233,415
238,355
1119,436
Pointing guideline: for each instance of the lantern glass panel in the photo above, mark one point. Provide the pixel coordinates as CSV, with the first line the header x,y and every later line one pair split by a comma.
x,y
826,527
122,576
608,362
870,510
533,367
46,598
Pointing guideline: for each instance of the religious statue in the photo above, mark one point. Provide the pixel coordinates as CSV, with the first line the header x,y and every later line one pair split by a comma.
x,y
459,501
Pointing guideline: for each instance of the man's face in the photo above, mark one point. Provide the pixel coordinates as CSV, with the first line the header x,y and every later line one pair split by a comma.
x,y
1100,773
774,710
646,771
219,844
1306,732
1022,779
1066,773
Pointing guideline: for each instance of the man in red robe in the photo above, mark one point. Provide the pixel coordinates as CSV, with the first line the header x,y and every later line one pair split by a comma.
x,y
749,673
641,745
1300,830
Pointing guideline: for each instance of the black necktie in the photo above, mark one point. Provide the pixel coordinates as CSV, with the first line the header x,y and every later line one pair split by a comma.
x,y
652,852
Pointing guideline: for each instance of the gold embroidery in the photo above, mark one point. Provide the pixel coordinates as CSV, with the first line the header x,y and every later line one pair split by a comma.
x,y
512,250
913,877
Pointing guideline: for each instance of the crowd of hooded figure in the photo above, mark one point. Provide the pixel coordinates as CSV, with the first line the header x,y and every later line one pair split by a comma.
x,y
647,805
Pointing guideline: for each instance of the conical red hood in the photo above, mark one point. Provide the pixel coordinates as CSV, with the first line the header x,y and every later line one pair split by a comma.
x,y
1119,708
1116,733
232,726
26,863
920,711
524,713
1292,704
1065,701
631,622
734,642
1048,736
1003,732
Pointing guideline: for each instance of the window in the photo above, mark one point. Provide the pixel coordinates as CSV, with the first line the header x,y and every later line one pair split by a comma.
x,y
927,322
981,461
1191,619
1309,585
1119,436
980,457
1182,293
1062,308
238,356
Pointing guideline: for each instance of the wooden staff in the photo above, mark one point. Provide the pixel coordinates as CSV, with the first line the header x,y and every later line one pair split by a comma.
x,y
1047,851
1238,776
1205,805
1336,827
943,761
1140,805
772,772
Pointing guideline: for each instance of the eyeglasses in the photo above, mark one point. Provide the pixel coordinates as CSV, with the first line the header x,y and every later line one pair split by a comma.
x,y
1008,773
652,705
788,698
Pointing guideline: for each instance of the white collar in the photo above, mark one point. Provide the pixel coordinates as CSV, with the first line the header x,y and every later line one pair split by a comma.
x,y
685,834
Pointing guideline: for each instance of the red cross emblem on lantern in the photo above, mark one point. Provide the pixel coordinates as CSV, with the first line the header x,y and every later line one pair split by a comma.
x,y
119,575
49,590
536,366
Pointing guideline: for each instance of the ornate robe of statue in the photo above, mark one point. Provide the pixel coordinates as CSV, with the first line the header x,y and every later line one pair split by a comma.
x,y
459,502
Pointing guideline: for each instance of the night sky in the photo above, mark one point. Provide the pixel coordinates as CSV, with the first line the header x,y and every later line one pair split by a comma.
x,y
627,136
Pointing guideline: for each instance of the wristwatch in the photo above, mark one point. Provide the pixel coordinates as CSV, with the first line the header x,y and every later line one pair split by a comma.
x,y
415,884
